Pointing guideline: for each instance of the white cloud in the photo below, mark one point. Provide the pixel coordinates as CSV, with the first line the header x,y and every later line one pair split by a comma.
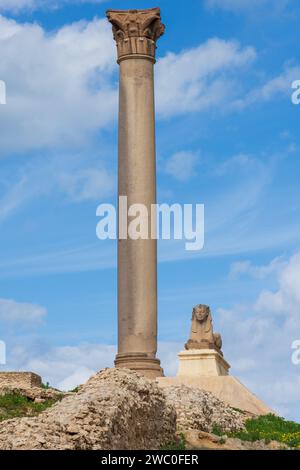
x,y
258,340
59,85
182,165
66,367
21,313
78,377
19,5
62,85
168,355
199,78
63,367
286,300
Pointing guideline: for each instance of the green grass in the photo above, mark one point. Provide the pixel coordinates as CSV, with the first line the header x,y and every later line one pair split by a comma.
x,y
270,428
216,429
179,445
14,405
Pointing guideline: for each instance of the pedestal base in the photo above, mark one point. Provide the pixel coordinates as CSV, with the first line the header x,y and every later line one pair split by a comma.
x,y
141,363
202,363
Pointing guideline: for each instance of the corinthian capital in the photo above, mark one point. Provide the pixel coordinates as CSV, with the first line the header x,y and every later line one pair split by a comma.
x,y
136,32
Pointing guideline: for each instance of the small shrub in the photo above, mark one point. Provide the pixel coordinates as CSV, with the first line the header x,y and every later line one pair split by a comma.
x,y
216,429
179,445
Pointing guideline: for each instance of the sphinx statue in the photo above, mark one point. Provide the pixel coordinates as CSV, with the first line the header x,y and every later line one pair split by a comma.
x,y
202,335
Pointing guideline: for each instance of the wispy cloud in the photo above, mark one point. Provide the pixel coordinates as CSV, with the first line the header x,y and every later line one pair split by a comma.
x,y
235,224
64,174
20,313
182,165
92,257
278,86
246,268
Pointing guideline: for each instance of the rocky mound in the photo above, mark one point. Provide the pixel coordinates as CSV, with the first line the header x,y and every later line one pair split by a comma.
x,y
201,410
115,409
198,440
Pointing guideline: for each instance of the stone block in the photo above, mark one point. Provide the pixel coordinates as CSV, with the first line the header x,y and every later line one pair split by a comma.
x,y
202,362
23,380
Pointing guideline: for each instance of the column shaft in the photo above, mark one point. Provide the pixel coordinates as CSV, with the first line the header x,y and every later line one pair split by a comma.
x,y
137,259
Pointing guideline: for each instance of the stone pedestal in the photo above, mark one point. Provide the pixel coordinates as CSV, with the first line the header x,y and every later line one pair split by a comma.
x,y
202,363
136,33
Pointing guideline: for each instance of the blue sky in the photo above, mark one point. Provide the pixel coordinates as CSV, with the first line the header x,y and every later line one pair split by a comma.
x,y
227,136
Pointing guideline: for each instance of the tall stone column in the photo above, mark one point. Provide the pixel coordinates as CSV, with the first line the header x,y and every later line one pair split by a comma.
x,y
136,32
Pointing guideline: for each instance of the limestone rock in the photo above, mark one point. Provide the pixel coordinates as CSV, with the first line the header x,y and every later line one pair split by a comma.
x,y
196,440
23,380
201,410
115,409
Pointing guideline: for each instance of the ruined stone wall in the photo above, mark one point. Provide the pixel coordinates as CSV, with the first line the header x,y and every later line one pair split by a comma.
x,y
23,380
117,409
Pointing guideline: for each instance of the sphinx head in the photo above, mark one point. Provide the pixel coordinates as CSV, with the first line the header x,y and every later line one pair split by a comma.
x,y
201,312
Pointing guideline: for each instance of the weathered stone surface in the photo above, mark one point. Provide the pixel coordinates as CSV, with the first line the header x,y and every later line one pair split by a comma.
x,y
136,31
206,441
202,363
115,409
200,410
227,389
24,380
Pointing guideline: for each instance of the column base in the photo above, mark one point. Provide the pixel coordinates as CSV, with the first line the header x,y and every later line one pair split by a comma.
x,y
141,363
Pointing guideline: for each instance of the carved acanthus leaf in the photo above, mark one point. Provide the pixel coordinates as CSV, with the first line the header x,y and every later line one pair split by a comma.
x,y
136,31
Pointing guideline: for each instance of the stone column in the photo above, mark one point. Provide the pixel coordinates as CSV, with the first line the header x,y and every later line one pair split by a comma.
x,y
136,32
